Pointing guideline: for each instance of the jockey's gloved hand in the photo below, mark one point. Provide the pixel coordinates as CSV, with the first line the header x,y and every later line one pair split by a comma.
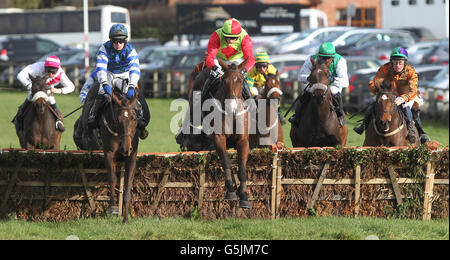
x,y
130,93
331,79
244,72
216,72
107,88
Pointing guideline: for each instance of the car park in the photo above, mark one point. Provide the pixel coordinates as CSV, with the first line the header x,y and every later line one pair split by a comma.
x,y
297,41
26,49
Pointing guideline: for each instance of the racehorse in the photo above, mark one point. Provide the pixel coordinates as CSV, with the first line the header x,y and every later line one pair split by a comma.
x,y
271,91
229,96
118,125
83,139
39,123
388,126
319,123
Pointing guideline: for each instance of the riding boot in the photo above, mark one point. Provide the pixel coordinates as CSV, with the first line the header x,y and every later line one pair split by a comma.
x,y
142,123
423,136
21,113
339,107
409,124
94,111
246,93
59,123
360,129
295,119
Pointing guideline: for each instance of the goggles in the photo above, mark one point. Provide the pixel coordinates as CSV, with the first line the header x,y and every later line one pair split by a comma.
x,y
115,41
231,38
262,65
51,70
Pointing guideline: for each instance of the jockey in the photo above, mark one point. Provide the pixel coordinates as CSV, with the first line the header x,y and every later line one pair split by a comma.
x,y
117,58
338,79
231,44
256,76
405,85
52,69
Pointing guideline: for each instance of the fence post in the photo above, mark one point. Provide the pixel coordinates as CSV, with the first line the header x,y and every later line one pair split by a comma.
x,y
279,187
202,187
273,197
155,84
427,198
357,189
168,85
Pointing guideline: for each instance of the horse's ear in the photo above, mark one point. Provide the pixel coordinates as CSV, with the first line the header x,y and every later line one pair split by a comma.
x,y
31,77
243,64
223,64
116,99
313,62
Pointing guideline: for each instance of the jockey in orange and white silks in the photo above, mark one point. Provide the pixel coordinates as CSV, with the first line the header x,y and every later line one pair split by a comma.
x,y
50,67
405,86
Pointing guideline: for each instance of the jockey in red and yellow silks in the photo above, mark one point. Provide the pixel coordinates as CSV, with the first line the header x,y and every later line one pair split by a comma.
x,y
238,49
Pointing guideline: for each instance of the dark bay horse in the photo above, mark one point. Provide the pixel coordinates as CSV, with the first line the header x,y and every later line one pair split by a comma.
x,y
118,127
82,138
387,127
319,124
272,129
39,123
233,130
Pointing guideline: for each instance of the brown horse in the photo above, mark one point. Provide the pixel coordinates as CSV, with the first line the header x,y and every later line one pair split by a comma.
x,y
118,125
388,127
319,124
271,92
233,128
39,123
83,139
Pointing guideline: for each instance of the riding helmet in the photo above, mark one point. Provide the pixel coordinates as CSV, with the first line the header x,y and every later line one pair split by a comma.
x,y
262,57
231,28
399,53
52,61
118,32
327,49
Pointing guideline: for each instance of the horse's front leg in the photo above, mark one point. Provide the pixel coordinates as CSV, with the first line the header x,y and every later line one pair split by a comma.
x,y
243,150
221,148
130,166
111,168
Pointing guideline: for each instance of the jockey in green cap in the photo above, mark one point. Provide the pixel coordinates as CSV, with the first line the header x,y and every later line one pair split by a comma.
x,y
338,79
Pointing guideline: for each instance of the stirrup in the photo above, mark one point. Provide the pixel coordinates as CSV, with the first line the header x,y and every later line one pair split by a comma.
x,y
143,133
359,129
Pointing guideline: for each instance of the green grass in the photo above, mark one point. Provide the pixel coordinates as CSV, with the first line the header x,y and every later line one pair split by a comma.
x,y
161,139
152,228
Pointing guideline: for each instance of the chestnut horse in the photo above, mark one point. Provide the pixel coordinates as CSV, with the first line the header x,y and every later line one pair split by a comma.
x,y
39,123
118,125
319,123
233,128
272,129
387,127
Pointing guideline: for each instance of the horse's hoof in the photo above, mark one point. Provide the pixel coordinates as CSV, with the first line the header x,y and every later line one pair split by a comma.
x,y
114,210
244,204
231,196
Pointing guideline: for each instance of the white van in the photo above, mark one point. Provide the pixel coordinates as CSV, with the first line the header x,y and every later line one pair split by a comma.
x,y
312,18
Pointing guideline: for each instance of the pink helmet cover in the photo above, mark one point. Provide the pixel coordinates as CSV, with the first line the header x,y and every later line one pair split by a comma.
x,y
52,61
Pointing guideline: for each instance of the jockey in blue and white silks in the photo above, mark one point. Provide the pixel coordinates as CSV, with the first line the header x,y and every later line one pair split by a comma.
x,y
117,61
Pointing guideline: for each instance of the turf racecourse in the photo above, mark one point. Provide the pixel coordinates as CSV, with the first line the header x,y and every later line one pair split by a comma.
x,y
161,138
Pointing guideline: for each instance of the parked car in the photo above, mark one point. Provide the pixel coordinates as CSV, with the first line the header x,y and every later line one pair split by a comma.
x,y
371,48
438,55
420,33
360,36
439,87
296,41
26,49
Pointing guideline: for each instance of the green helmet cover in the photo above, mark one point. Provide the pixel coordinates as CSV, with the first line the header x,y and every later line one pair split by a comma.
x,y
327,49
